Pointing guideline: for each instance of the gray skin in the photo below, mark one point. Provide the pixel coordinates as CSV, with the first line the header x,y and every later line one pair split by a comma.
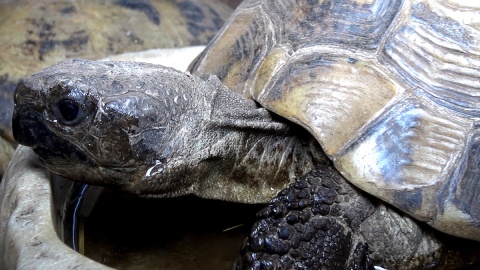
x,y
35,35
158,132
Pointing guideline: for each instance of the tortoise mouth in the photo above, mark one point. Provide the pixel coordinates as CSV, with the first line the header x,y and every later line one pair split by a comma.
x,y
29,129
27,126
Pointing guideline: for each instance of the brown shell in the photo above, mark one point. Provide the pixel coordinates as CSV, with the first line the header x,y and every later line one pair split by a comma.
x,y
391,90
36,34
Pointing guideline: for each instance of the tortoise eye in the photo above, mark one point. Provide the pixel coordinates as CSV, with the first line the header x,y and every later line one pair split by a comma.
x,y
69,110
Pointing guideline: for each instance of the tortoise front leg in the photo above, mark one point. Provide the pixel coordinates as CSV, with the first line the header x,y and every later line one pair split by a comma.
x,y
323,222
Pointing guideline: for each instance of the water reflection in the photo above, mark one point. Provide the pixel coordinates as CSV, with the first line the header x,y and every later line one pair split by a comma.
x,y
127,232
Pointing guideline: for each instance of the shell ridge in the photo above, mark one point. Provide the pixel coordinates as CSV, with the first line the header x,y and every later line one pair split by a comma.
x,y
462,190
435,62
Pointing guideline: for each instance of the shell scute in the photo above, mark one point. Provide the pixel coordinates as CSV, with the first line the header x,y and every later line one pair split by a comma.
x,y
432,50
463,188
318,82
412,147
390,89
410,144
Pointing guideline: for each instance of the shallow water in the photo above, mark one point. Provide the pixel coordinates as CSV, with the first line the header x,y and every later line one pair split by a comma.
x,y
127,232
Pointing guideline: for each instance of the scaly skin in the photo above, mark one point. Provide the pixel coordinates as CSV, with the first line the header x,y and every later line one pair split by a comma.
x,y
158,132
323,222
146,128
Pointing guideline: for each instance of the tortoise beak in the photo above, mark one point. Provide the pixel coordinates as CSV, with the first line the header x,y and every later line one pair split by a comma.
x,y
27,121
29,129
27,125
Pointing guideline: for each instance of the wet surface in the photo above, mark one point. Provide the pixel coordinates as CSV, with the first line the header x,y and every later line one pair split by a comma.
x,y
127,232
37,34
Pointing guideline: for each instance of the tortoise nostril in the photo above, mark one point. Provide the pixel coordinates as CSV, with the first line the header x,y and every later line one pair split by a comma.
x,y
25,125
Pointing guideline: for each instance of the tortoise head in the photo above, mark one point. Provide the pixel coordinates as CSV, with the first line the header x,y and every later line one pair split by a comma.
x,y
158,132
102,121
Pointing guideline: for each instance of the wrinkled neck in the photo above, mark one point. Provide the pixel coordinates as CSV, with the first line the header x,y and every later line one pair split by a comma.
x,y
253,154
260,164
229,148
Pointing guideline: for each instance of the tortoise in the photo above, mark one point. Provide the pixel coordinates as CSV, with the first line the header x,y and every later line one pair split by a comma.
x,y
357,117
36,35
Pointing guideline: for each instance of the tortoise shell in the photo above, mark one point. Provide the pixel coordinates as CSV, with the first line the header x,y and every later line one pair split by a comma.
x,y
390,89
